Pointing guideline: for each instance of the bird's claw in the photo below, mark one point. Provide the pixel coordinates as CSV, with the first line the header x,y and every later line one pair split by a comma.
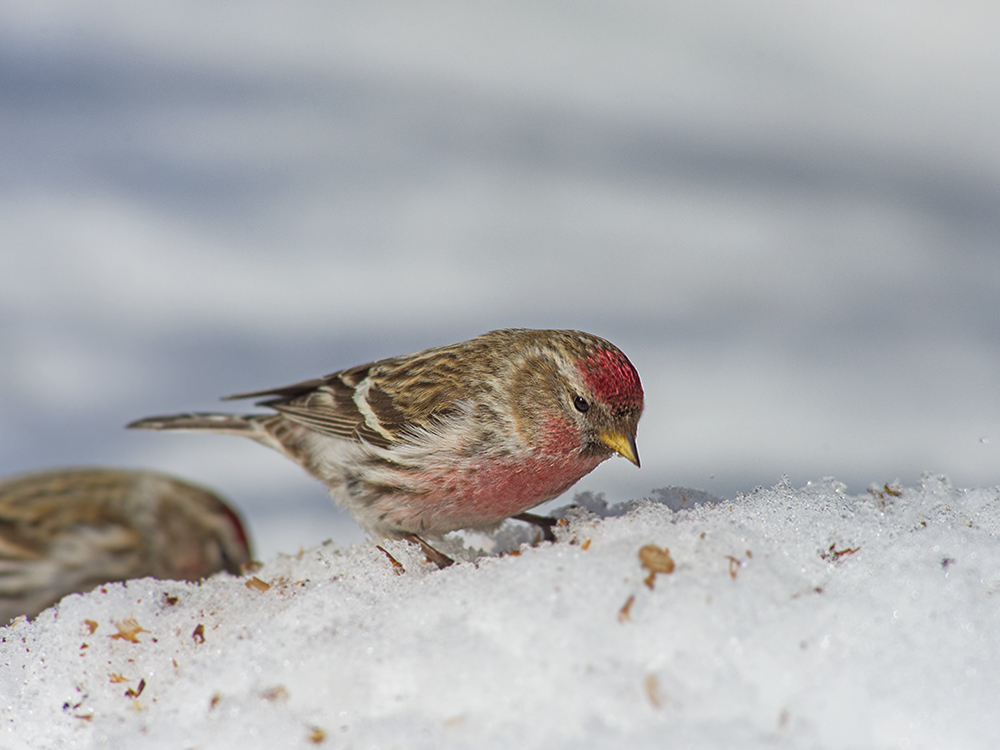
x,y
438,558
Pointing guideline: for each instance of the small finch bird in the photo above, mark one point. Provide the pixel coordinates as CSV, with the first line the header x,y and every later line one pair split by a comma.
x,y
70,530
457,437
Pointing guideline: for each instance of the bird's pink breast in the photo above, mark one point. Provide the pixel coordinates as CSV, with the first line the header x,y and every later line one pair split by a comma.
x,y
480,494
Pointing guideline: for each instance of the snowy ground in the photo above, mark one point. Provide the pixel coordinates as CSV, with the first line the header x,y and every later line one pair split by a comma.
x,y
792,618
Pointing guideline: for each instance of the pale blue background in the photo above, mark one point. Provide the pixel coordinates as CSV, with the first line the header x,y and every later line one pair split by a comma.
x,y
787,214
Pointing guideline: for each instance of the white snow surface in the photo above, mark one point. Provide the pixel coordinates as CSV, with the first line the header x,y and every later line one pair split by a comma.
x,y
801,618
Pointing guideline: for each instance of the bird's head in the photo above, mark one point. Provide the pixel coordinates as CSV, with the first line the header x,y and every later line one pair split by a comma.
x,y
582,393
608,402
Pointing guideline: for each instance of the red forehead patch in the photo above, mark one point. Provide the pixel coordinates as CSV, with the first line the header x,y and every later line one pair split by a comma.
x,y
612,378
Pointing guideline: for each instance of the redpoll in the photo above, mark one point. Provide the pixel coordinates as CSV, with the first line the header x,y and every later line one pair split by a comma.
x,y
71,530
461,436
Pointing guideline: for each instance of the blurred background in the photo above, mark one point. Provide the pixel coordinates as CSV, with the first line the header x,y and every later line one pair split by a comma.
x,y
787,215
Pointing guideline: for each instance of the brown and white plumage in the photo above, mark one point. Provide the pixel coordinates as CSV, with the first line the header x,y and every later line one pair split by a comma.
x,y
70,530
460,436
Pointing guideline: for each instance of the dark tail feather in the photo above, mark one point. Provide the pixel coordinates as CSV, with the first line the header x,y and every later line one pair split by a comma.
x,y
232,424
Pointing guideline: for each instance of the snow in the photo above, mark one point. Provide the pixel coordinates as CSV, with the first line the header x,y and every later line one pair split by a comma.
x,y
793,618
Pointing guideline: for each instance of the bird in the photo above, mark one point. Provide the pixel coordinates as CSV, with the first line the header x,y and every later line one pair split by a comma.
x,y
455,437
66,531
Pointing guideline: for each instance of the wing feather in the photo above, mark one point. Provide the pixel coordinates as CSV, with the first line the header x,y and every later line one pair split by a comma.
x,y
377,403
327,405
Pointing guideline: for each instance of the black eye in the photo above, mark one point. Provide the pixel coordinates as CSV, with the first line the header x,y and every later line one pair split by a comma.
x,y
580,403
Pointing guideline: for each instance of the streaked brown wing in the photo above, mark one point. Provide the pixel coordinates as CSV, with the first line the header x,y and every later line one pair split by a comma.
x,y
325,405
399,393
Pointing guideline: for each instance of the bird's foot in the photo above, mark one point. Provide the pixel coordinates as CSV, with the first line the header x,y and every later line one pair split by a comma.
x,y
438,558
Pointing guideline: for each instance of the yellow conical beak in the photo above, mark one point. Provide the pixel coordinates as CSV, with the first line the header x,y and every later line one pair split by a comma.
x,y
621,444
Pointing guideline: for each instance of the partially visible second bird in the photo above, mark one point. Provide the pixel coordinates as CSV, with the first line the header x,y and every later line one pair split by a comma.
x,y
70,530
460,436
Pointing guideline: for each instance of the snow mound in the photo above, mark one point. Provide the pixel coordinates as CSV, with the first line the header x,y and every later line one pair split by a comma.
x,y
782,618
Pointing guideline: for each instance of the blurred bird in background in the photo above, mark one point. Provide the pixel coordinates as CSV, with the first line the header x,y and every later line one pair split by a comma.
x,y
66,531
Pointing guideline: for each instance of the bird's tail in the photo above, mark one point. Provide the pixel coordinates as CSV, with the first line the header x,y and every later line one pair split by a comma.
x,y
223,424
273,430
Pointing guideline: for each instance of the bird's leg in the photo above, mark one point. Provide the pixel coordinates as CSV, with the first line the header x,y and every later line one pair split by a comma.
x,y
543,522
438,558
